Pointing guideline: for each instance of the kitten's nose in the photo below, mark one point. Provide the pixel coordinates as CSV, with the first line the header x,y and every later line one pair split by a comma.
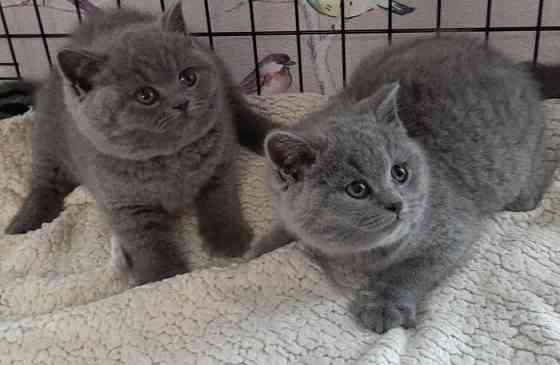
x,y
182,107
395,207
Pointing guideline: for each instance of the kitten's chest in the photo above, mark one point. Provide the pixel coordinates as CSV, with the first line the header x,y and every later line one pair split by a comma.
x,y
354,265
172,182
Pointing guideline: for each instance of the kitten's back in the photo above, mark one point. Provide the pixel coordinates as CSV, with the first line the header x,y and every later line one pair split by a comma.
x,y
475,112
106,22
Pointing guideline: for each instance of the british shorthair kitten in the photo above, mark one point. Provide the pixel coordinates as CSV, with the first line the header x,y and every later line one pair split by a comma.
x,y
396,174
149,121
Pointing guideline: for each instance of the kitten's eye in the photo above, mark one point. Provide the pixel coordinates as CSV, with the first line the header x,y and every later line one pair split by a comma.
x,y
358,189
147,95
188,77
399,173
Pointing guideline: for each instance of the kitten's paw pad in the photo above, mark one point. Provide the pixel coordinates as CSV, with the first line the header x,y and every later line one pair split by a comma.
x,y
381,314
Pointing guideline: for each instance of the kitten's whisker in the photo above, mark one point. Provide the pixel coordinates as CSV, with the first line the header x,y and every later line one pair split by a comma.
x,y
163,124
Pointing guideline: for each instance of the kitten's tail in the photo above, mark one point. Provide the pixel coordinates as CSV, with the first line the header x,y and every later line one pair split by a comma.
x,y
16,97
252,126
548,77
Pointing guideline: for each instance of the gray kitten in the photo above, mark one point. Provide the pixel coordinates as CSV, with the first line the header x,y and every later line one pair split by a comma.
x,y
395,175
149,121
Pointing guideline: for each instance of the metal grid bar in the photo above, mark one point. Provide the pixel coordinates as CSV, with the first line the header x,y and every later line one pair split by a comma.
x,y
538,34
488,21
42,32
390,23
255,54
555,28
438,18
9,40
343,41
298,40
298,33
78,11
208,24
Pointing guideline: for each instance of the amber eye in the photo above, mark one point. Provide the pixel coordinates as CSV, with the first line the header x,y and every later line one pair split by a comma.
x,y
147,95
399,173
188,77
358,189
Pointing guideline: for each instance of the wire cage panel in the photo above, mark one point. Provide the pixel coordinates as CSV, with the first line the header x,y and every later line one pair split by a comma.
x,y
323,42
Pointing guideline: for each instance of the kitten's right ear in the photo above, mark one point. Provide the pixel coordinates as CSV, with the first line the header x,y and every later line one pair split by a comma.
x,y
173,21
79,67
383,103
289,153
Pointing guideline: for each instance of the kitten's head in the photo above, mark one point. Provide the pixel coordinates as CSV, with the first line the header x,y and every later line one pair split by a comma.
x,y
150,95
357,184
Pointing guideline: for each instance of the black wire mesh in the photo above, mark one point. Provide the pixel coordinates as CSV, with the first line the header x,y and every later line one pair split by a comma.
x,y
343,32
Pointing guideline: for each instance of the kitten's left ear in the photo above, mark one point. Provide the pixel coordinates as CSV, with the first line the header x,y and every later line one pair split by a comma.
x,y
383,103
79,67
289,153
172,20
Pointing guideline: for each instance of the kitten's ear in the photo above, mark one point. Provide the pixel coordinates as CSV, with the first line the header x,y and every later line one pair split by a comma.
x,y
79,67
383,103
289,153
173,20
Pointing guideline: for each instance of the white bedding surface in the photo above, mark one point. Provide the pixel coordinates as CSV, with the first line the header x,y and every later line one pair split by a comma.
x,y
61,302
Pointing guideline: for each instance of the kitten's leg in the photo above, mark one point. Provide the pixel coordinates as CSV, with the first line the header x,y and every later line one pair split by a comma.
x,y
275,238
144,244
220,220
49,186
536,184
391,297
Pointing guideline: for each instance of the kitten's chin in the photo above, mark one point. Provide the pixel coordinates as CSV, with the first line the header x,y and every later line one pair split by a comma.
x,y
385,238
139,152
153,146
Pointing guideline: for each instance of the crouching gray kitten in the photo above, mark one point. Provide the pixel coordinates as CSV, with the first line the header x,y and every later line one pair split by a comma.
x,y
149,121
395,175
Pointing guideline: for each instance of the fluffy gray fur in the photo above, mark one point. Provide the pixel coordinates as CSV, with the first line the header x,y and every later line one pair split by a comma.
x,y
144,164
467,126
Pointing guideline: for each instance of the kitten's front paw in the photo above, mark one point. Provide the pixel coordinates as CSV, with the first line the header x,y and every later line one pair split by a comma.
x,y
22,223
260,246
381,313
229,241
256,249
145,265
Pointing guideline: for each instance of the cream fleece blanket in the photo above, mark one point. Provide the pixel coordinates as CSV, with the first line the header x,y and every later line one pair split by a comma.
x,y
61,302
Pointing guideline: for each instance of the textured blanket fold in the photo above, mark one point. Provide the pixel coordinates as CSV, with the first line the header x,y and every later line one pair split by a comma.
x,y
62,303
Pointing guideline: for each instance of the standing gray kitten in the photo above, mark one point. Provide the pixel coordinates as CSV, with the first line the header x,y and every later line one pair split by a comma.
x,y
395,176
146,119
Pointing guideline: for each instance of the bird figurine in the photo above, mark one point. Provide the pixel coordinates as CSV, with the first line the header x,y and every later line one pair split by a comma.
x,y
274,75
354,8
85,6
